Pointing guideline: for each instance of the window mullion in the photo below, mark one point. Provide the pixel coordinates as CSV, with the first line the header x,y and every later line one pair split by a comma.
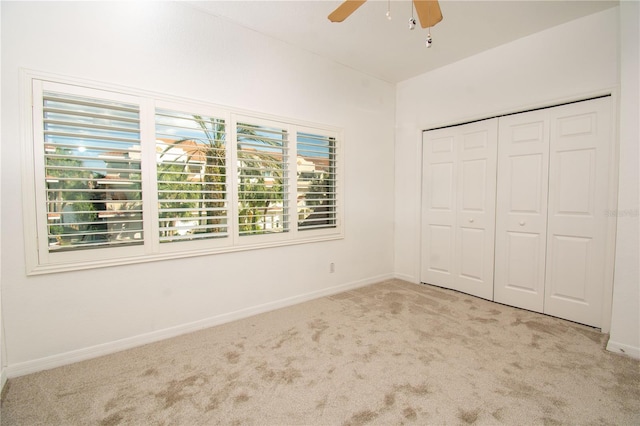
x,y
292,173
232,178
149,183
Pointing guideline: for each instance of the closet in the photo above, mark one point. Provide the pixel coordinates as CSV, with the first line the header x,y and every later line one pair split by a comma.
x,y
514,209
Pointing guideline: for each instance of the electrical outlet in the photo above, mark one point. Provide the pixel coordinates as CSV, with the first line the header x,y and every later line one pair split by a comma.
x,y
332,267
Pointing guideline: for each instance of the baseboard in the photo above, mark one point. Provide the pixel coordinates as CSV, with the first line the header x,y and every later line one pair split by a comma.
x,y
407,277
3,381
621,348
58,360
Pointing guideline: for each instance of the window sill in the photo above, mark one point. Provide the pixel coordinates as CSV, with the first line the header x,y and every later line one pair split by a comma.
x,y
52,267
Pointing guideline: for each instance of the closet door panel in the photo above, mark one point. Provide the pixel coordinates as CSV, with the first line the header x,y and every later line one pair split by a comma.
x,y
440,254
569,266
581,143
523,265
438,207
575,171
521,210
476,191
471,257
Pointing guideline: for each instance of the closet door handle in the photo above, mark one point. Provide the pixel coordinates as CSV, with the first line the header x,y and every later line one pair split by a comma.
x,y
522,223
471,220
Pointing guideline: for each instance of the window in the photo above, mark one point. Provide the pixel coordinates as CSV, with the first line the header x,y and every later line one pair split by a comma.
x,y
316,168
92,172
262,179
191,176
125,177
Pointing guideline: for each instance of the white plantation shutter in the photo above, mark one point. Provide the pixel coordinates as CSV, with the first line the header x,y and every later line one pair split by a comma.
x,y
263,183
118,177
191,176
316,181
92,168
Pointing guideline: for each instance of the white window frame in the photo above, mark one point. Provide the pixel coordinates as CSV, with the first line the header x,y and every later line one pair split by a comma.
x,y
40,260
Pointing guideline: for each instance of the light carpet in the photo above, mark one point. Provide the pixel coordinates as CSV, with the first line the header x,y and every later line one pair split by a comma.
x,y
391,353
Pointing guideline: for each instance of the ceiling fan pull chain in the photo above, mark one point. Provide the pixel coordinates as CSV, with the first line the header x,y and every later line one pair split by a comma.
x,y
388,14
429,39
412,20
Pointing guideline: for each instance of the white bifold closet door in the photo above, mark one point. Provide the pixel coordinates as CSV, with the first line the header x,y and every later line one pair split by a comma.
x,y
553,179
458,207
579,161
521,210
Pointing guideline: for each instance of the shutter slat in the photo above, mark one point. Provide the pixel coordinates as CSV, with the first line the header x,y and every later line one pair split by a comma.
x,y
49,111
88,102
80,126
84,137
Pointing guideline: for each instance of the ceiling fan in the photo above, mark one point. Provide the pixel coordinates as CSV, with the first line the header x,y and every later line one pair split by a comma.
x,y
428,11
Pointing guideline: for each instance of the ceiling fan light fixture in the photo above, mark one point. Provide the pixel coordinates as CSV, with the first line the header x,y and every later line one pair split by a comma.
x,y
428,11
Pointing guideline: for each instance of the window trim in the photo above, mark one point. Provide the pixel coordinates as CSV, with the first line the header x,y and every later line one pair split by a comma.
x,y
40,261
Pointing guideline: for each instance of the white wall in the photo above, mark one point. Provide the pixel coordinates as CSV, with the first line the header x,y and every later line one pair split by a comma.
x,y
171,48
563,63
3,357
625,321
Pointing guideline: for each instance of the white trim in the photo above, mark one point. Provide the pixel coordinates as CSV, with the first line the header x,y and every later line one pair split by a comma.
x,y
79,266
418,210
148,174
66,358
406,277
3,379
621,348
27,167
612,222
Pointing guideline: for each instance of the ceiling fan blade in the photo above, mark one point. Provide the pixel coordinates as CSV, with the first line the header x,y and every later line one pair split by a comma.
x,y
343,11
428,11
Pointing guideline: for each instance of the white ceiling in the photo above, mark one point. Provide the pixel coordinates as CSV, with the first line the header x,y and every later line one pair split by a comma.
x,y
368,42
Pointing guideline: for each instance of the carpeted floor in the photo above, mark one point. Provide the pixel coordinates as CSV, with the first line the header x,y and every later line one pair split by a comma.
x,y
390,353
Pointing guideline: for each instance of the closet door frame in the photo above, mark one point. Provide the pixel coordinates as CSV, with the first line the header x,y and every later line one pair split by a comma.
x,y
612,206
